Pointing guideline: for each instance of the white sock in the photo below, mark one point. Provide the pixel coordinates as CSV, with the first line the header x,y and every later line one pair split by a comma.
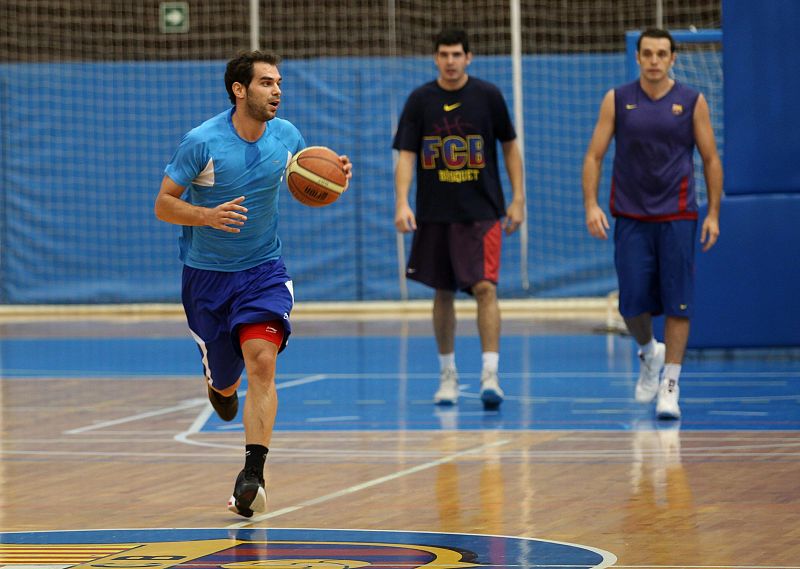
x,y
447,361
490,361
672,371
647,349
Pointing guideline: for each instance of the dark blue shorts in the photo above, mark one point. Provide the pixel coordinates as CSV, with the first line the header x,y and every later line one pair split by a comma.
x,y
655,266
217,303
455,256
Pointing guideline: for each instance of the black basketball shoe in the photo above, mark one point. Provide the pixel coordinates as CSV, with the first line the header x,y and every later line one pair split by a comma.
x,y
249,495
226,407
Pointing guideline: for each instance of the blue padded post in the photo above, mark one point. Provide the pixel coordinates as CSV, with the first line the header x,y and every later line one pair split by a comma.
x,y
747,291
762,141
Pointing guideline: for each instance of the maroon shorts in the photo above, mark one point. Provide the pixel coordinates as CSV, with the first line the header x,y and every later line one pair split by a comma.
x,y
455,256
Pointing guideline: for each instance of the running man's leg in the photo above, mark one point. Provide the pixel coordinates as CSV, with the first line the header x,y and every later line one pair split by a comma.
x,y
260,343
261,403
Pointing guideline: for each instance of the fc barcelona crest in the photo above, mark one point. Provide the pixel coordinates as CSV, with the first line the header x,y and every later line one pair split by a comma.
x,y
286,549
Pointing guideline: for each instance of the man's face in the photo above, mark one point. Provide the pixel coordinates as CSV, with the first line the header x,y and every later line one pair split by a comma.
x,y
452,61
655,59
263,95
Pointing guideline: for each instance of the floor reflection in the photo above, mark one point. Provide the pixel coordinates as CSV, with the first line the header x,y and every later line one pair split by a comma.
x,y
660,510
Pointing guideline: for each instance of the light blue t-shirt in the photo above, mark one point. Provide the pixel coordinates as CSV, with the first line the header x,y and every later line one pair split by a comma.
x,y
216,165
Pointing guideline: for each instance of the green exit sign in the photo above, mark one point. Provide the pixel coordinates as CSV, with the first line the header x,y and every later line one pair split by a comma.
x,y
174,17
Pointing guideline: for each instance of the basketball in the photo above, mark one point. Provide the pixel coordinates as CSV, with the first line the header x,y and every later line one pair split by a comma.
x,y
315,176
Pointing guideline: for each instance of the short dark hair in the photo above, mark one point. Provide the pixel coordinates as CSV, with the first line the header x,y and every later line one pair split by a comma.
x,y
240,68
656,33
451,36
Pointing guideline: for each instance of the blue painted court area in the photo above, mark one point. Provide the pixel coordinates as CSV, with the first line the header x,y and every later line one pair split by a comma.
x,y
386,382
201,548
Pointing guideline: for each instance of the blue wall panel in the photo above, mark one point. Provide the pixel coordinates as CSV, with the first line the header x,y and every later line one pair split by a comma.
x,y
747,284
761,104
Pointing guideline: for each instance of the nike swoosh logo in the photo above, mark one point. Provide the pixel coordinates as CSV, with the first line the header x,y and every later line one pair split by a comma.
x,y
454,106
630,107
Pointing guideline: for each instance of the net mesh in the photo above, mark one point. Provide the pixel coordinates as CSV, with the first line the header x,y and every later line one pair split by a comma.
x,y
699,64
98,93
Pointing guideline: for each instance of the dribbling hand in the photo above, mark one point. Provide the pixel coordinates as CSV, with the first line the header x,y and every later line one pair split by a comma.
x,y
347,166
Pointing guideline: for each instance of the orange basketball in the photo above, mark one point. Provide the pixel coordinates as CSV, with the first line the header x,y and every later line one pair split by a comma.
x,y
315,176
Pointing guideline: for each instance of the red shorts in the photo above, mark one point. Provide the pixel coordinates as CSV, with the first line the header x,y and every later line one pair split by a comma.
x,y
455,256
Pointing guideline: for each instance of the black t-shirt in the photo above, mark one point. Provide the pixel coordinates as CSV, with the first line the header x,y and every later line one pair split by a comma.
x,y
455,135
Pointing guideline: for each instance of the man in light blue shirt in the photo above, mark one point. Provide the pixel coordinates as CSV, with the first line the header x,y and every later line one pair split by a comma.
x,y
222,186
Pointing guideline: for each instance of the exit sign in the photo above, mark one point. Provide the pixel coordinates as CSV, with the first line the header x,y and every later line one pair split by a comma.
x,y
174,17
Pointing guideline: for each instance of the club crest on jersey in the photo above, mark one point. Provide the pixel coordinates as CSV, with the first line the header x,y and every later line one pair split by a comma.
x,y
677,109
453,152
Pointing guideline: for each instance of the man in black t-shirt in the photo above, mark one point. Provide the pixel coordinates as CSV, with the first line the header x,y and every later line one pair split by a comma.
x,y
449,131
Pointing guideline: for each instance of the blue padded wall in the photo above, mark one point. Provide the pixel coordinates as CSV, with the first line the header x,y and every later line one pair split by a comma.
x,y
762,134
747,285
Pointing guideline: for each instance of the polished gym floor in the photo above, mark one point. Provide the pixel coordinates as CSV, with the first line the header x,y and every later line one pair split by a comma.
x,y
105,427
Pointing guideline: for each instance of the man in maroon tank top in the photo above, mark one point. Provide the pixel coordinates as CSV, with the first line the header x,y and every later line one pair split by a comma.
x,y
656,123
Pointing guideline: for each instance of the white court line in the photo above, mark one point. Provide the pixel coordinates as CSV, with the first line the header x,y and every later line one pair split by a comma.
x,y
302,380
26,374
368,484
201,419
718,447
188,404
105,454
789,450
195,427
328,419
542,399
535,374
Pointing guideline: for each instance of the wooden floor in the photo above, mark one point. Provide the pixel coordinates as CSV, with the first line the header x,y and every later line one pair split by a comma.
x,y
97,452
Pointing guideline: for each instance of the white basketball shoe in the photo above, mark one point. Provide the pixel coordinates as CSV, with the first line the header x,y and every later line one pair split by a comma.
x,y
447,394
667,405
649,372
491,393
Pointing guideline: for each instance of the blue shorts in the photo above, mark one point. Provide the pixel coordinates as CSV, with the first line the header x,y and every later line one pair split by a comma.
x,y
655,266
217,303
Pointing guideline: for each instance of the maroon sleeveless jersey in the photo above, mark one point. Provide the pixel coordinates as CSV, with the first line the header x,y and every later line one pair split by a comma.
x,y
653,177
